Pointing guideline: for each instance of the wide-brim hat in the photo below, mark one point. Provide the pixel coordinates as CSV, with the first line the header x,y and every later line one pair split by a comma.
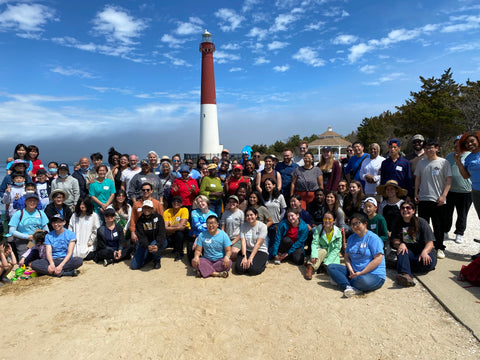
x,y
400,191
58,191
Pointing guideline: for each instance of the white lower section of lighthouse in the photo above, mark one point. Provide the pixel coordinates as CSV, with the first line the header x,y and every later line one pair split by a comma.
x,y
209,140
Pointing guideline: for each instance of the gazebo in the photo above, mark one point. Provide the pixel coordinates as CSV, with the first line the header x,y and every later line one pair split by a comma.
x,y
332,139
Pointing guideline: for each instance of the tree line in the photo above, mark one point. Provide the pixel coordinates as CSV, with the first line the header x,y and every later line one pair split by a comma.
x,y
441,110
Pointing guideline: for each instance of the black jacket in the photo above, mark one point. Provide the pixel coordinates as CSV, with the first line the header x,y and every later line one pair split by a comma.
x,y
51,211
150,229
82,183
102,241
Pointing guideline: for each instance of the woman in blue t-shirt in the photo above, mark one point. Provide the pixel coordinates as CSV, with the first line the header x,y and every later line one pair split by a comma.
x,y
364,260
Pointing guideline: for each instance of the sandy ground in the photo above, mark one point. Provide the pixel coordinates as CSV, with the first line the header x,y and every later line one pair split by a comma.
x,y
117,313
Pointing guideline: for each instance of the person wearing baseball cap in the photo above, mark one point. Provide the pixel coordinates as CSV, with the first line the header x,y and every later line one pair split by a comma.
x,y
151,235
376,223
59,245
417,154
212,188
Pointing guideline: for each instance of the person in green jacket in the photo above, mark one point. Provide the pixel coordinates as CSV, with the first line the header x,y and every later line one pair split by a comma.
x,y
376,223
326,245
212,188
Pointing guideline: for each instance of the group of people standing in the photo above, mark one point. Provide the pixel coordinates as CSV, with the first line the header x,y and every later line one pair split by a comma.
x,y
242,213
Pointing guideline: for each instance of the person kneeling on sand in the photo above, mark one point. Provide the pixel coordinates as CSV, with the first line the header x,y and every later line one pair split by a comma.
x,y
59,245
152,239
217,251
290,239
414,240
326,245
364,260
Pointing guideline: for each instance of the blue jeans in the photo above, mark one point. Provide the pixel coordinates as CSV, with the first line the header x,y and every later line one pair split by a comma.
x,y
408,263
367,282
143,256
216,207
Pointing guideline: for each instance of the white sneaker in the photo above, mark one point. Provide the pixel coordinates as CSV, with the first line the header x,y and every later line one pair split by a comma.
x,y
445,236
440,254
351,291
277,262
459,239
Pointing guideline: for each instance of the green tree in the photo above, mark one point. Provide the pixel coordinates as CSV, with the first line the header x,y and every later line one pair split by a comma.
x,y
432,111
377,129
469,104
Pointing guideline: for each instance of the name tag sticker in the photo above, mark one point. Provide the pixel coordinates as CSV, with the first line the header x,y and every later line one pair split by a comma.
x,y
37,215
435,172
178,218
115,234
106,187
213,185
139,209
398,168
373,226
144,179
155,220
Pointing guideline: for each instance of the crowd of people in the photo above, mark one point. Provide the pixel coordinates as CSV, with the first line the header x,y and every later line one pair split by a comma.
x,y
243,213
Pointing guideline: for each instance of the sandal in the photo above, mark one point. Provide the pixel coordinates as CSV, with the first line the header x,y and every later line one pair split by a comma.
x,y
223,274
405,280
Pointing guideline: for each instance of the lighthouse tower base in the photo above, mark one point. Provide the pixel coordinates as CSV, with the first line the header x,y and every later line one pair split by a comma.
x,y
209,140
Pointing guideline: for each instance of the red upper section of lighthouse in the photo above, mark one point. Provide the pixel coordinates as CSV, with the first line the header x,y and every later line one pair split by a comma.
x,y
208,77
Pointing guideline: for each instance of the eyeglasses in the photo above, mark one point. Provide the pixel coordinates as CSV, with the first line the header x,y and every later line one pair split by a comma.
x,y
189,163
302,147
356,223
417,141
327,220
176,160
349,150
146,190
406,208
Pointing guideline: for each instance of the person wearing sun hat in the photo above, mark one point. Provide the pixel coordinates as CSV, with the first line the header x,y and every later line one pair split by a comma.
x,y
57,206
390,206
212,188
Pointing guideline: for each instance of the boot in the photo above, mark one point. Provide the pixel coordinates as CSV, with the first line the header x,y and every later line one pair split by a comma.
x,y
309,272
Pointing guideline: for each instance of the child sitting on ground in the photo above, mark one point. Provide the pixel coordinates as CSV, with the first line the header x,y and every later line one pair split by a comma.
x,y
37,251
7,262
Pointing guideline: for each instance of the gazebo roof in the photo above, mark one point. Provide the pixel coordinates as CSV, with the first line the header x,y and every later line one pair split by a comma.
x,y
330,138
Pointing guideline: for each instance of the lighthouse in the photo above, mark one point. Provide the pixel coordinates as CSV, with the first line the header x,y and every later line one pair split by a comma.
x,y
209,140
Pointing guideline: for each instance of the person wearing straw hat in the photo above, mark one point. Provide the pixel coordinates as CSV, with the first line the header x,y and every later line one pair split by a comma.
x,y
389,208
57,206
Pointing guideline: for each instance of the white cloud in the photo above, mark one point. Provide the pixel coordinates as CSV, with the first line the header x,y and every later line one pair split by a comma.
x,y
195,20
386,78
172,41
261,60
315,26
282,21
357,51
335,11
106,89
368,69
117,25
222,57
275,45
249,4
72,72
235,69
111,50
188,28
260,34
344,39
465,47
176,61
467,23
282,68
230,20
28,19
231,46
308,56
37,98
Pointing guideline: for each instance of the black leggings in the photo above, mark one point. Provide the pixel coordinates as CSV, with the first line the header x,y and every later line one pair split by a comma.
x,y
258,264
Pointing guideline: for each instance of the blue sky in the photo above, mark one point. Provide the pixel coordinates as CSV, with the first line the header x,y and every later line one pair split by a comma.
x,y
79,76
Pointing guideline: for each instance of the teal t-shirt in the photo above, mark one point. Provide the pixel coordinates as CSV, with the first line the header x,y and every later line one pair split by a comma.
x,y
101,191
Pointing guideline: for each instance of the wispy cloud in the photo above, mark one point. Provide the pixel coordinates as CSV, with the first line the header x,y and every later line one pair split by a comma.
x,y
189,28
368,69
117,25
344,39
28,20
111,50
282,68
172,41
386,78
393,37
235,69
38,98
68,71
249,4
106,89
315,26
276,45
465,47
259,33
282,21
229,19
177,61
261,60
309,56
465,23
231,46
223,57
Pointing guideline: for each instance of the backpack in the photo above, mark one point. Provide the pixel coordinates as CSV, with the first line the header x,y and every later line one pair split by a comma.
x,y
471,272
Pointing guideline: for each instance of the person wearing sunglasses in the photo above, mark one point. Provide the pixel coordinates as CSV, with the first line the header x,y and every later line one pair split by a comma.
x,y
413,239
364,268
302,149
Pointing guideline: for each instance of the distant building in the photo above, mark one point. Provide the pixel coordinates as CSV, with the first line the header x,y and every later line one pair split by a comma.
x,y
329,138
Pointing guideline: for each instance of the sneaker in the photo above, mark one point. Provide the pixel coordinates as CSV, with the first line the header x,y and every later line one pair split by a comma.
x,y
178,257
440,254
107,262
6,280
405,280
459,239
72,273
445,236
351,291
157,265
277,262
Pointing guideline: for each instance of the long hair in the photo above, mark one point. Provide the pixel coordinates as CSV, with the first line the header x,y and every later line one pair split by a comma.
x,y
30,148
116,205
88,204
275,192
111,153
413,226
260,201
360,195
336,205
325,165
15,155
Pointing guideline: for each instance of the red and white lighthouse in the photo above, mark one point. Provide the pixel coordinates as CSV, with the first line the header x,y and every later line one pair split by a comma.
x,y
209,140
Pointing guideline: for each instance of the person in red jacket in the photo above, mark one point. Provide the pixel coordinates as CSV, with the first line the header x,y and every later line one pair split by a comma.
x,y
185,187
